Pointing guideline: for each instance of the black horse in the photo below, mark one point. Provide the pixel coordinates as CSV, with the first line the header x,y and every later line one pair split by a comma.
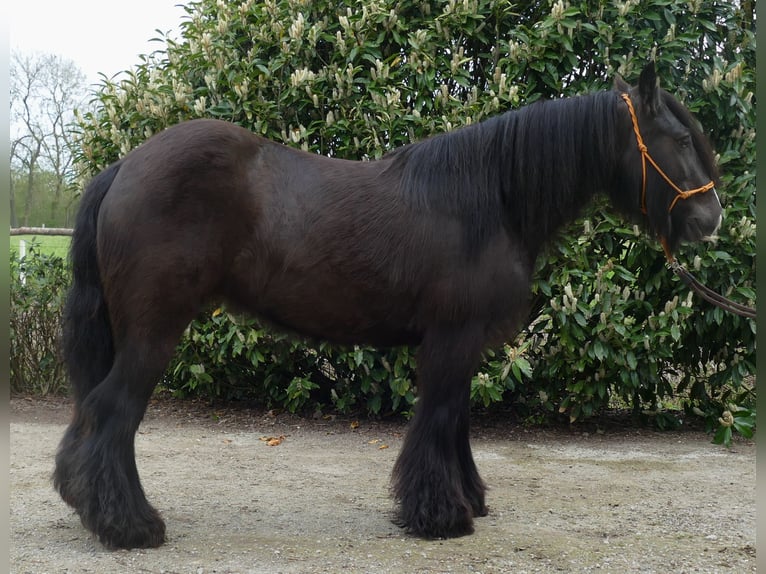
x,y
432,245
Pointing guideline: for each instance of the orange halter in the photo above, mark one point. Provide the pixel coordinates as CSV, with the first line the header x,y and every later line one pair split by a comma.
x,y
681,194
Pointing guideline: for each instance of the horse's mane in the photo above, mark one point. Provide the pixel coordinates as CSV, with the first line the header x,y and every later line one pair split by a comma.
x,y
531,168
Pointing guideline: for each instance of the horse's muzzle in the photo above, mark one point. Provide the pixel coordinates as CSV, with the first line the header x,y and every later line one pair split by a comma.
x,y
702,218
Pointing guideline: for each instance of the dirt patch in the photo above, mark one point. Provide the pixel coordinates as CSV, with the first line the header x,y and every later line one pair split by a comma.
x,y
560,501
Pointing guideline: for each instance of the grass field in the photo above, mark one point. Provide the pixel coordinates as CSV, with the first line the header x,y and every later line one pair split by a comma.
x,y
53,244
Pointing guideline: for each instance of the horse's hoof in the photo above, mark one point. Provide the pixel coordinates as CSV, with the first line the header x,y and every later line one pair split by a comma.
x,y
436,532
478,506
147,535
481,510
447,523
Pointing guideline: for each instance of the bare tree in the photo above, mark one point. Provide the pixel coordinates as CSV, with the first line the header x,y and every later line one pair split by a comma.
x,y
44,92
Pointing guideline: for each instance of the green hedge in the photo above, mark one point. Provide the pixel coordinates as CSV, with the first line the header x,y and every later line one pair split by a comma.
x,y
354,79
233,357
39,283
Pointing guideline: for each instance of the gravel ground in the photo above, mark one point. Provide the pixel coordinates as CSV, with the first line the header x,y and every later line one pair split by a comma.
x,y
623,501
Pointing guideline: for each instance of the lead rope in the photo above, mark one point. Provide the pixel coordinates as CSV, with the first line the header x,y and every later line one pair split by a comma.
x,y
707,294
679,270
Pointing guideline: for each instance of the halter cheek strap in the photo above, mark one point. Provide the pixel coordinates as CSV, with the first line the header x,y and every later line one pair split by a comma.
x,y
680,193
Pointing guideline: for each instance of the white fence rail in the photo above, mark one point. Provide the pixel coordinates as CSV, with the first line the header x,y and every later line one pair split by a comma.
x,y
40,231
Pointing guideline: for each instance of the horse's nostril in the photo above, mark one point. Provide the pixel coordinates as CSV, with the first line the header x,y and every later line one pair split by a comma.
x,y
718,224
702,228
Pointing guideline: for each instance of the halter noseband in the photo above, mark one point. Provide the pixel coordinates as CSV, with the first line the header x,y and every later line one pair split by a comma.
x,y
680,193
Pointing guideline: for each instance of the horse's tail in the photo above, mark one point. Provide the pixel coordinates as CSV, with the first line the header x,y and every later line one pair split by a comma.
x,y
88,347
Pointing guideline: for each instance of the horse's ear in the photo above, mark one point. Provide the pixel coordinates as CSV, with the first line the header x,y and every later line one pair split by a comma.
x,y
648,89
621,85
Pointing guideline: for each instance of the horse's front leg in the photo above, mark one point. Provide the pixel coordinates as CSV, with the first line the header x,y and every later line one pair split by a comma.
x,y
435,481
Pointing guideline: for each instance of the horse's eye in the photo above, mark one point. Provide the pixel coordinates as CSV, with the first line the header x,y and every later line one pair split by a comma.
x,y
685,141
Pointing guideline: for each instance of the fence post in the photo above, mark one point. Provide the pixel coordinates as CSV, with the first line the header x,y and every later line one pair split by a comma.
x,y
22,255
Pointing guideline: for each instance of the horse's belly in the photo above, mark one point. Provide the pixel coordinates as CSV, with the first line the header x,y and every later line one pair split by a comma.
x,y
339,312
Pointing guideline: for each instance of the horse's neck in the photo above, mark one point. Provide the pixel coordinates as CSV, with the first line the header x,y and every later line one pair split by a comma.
x,y
556,155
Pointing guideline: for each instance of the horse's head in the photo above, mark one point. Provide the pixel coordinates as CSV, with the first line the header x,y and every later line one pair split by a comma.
x,y
668,164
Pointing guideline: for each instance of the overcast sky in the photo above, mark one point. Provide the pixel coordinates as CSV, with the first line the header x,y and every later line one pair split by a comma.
x,y
98,35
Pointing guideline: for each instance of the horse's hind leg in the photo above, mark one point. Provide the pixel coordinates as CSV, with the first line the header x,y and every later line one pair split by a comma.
x,y
95,466
435,480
